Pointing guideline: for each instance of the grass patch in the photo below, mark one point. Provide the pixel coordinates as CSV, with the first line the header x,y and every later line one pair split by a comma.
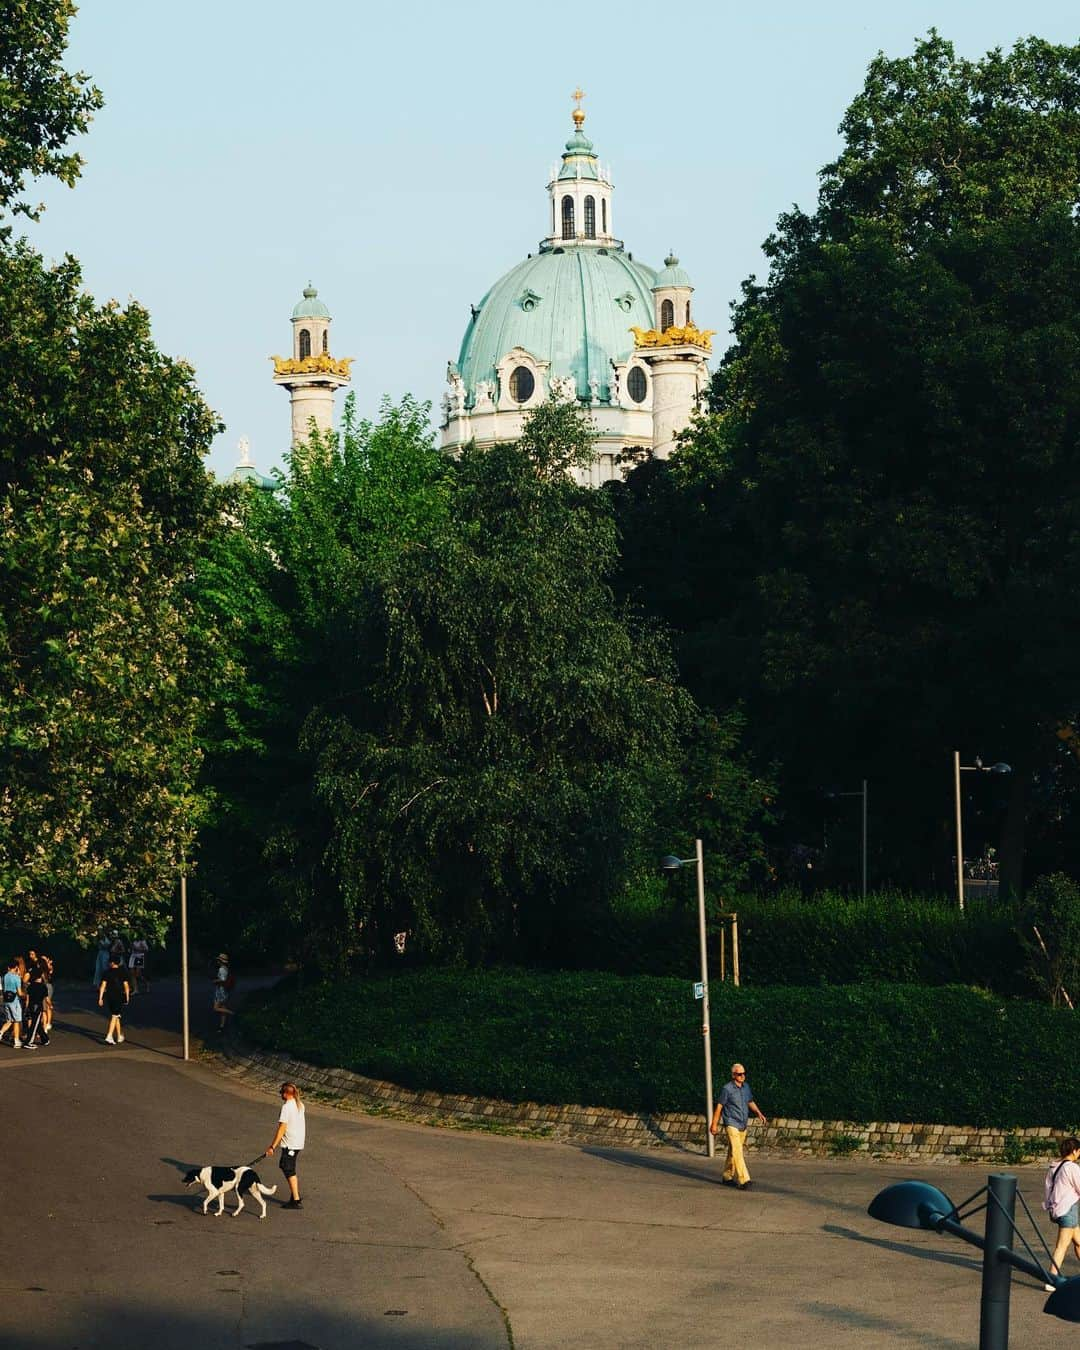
x,y
856,1052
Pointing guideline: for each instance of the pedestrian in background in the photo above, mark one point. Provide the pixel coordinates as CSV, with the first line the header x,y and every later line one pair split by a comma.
x,y
291,1135
137,965
224,984
36,994
113,994
735,1105
12,993
101,961
1061,1200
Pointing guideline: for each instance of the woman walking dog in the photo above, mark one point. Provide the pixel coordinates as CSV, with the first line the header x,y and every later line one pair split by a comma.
x,y
290,1134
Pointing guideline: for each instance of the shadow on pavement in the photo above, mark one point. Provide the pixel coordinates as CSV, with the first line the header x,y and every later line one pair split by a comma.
x,y
944,1258
867,1321
129,1324
678,1168
651,1163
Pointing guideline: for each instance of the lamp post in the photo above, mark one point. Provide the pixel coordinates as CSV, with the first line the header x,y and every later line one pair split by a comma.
x,y
184,963
863,794
672,864
916,1204
958,769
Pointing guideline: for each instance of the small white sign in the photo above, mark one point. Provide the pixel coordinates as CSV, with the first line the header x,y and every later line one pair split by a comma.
x,y
699,989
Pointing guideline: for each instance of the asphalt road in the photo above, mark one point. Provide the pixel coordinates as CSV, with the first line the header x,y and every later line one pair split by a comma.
x,y
421,1237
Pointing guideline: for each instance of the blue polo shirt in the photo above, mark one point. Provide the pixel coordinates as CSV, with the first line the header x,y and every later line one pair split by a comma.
x,y
735,1100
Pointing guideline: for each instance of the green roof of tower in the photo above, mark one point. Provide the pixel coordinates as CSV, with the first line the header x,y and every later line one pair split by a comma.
x,y
311,307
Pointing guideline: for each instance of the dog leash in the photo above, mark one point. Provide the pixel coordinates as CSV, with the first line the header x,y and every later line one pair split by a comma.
x,y
260,1158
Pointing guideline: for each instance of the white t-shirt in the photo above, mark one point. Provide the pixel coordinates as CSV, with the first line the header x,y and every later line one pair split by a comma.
x,y
292,1117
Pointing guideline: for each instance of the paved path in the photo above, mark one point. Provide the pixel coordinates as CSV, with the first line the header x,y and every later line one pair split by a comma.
x,y
421,1237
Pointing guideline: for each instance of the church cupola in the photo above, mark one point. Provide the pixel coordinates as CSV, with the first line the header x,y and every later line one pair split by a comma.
x,y
580,193
311,375
671,295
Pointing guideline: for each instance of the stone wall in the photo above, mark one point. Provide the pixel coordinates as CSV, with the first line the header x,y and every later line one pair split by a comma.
x,y
595,1124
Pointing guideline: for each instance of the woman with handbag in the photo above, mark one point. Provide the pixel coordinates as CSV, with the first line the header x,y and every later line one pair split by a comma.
x,y
1061,1200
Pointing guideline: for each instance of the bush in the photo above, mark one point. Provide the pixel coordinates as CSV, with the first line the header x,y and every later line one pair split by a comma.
x,y
858,1052
1050,934
826,938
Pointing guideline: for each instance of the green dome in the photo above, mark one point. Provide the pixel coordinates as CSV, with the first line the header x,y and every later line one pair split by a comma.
x,y
579,161
570,306
671,275
311,307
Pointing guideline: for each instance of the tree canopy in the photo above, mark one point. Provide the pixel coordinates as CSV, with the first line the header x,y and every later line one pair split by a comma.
x,y
42,105
877,523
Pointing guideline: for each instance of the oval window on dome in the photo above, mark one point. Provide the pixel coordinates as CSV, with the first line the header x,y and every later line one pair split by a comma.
x,y
636,384
522,384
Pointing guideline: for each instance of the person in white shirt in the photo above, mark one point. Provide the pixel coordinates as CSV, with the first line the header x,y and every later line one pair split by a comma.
x,y
291,1134
1061,1200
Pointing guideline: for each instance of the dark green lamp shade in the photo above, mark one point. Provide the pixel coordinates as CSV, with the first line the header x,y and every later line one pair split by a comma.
x,y
1064,1302
911,1204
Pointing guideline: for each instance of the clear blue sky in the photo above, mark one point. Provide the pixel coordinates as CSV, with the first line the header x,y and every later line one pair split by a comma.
x,y
398,155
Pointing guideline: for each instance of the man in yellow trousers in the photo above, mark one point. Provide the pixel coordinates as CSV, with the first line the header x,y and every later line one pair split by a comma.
x,y
735,1104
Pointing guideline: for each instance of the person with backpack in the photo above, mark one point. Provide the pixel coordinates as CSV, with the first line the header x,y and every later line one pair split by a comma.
x,y
224,984
1061,1200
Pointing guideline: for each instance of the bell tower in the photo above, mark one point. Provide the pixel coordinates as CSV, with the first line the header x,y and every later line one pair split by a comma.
x,y
311,375
676,353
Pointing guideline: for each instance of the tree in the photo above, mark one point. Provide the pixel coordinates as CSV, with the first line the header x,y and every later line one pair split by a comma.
x,y
104,506
42,106
522,748
289,589
877,523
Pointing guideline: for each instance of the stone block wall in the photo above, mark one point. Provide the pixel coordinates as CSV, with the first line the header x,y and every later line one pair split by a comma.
x,y
596,1124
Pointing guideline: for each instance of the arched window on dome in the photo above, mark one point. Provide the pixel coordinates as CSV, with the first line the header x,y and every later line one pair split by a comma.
x,y
305,344
603,214
590,217
667,316
568,217
688,313
553,215
326,340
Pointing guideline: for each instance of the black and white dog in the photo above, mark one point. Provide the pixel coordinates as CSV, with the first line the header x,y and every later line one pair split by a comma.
x,y
219,1181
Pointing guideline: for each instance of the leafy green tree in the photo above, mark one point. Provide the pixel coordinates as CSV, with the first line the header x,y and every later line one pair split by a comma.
x,y
289,587
104,507
42,106
875,530
521,751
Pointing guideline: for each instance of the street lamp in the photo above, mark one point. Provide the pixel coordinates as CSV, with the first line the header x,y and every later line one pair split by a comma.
x,y
958,769
672,864
863,795
916,1204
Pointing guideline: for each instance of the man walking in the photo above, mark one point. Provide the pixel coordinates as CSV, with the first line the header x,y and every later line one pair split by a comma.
x,y
735,1104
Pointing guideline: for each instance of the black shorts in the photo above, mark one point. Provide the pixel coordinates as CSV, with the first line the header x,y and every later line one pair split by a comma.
x,y
288,1160
115,1006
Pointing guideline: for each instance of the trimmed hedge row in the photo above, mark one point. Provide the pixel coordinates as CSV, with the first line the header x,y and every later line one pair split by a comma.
x,y
858,1052
826,938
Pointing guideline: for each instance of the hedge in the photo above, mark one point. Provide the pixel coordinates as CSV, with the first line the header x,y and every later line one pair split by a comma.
x,y
826,938
856,1052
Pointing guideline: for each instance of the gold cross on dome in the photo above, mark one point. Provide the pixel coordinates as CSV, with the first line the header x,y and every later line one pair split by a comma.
x,y
578,95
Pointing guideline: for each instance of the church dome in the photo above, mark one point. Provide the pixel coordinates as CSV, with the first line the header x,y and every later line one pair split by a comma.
x,y
571,306
311,307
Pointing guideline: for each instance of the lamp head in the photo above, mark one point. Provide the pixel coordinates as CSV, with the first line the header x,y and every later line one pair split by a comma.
x,y
669,863
912,1204
1001,768
1064,1302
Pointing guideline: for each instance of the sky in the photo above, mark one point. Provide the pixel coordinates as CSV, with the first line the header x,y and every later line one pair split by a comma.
x,y
397,156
